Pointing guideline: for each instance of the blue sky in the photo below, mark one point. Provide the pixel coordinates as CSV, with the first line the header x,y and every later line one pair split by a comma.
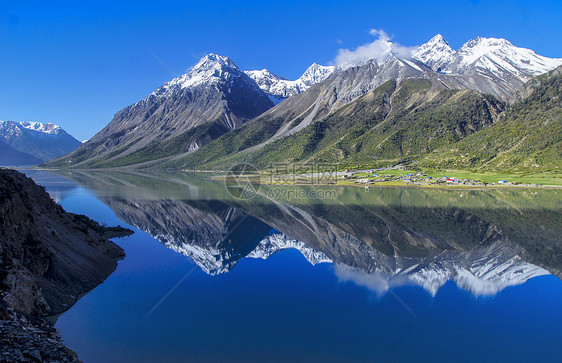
x,y
77,63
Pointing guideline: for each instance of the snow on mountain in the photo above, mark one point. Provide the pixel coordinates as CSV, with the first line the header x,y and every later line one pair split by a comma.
x,y
265,79
502,58
46,128
42,140
210,70
316,73
488,65
17,128
487,56
481,272
436,54
211,260
10,129
276,242
214,261
280,88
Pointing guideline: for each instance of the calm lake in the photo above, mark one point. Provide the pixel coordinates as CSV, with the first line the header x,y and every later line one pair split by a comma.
x,y
330,274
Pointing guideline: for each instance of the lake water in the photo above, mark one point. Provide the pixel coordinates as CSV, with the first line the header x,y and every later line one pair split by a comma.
x,y
333,274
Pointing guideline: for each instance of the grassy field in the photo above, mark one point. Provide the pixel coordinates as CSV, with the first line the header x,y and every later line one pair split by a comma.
x,y
513,179
491,177
539,178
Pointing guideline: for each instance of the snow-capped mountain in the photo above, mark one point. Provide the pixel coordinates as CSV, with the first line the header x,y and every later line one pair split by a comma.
x,y
485,56
280,88
490,66
484,271
316,73
211,70
277,242
43,141
339,89
45,128
436,54
214,97
214,261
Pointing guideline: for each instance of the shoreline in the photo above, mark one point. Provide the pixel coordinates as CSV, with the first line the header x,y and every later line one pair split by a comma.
x,y
397,184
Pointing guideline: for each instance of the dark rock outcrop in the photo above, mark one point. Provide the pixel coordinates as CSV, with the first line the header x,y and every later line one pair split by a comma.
x,y
48,257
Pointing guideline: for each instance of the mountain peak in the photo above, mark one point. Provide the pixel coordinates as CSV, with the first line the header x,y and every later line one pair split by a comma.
x,y
210,69
279,88
42,140
437,39
436,53
214,61
47,128
502,58
264,74
486,42
43,128
495,56
316,73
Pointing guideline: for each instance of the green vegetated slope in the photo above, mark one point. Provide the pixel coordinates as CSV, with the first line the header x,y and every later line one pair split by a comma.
x,y
393,123
526,138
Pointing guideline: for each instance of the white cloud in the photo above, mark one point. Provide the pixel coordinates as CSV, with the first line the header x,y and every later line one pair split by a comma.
x,y
379,33
380,50
377,281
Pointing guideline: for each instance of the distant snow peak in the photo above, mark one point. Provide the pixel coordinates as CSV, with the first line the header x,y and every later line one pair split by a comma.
x,y
265,74
316,73
276,242
44,141
280,88
47,128
492,56
479,275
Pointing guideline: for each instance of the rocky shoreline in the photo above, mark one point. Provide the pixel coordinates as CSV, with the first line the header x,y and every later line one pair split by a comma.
x,y
48,259
25,338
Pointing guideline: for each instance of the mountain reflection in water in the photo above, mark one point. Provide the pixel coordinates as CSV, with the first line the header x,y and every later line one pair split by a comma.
x,y
483,240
